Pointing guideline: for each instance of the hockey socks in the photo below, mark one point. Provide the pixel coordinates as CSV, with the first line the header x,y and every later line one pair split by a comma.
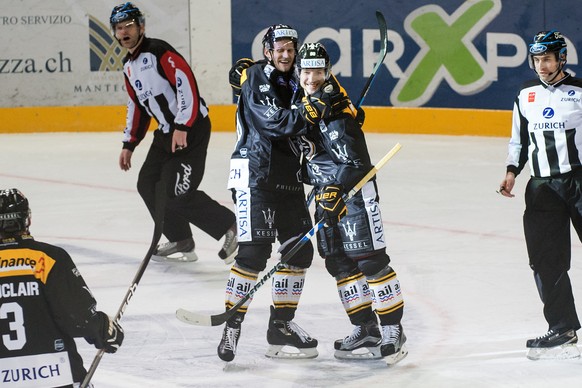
x,y
286,338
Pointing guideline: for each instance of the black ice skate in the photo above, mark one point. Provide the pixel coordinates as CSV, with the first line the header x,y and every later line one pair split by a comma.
x,y
227,346
176,252
230,246
392,347
287,340
555,344
363,343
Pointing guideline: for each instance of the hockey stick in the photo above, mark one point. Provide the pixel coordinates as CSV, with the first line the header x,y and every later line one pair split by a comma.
x,y
158,229
199,319
383,48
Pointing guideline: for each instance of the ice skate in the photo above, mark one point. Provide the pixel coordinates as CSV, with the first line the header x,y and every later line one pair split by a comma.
x,y
230,246
227,346
287,340
555,344
363,343
176,252
392,348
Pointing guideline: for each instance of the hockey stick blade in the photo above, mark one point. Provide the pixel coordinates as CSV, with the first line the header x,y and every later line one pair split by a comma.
x,y
200,319
158,230
383,50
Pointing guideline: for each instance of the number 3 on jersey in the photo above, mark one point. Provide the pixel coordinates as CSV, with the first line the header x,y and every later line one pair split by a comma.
x,y
16,338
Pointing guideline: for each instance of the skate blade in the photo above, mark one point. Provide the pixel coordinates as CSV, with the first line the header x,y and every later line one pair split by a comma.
x,y
396,357
290,352
562,352
182,257
363,353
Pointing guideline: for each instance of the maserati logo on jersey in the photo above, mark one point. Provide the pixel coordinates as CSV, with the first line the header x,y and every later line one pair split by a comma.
x,y
340,152
531,97
183,180
350,230
105,54
269,232
269,217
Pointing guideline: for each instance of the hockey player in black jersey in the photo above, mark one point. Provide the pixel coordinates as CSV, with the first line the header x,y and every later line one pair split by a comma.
x,y
265,176
353,240
162,86
547,122
44,305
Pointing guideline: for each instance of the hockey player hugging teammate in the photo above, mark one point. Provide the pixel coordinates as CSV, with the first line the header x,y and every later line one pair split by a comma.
x,y
353,240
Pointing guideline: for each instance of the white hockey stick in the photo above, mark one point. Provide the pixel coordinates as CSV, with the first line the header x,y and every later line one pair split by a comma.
x,y
201,319
158,229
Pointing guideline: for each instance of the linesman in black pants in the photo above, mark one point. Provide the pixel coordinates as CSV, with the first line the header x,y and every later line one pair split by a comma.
x,y
162,85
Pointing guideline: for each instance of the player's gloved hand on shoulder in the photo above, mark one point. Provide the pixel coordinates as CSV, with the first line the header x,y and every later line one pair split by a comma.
x,y
235,73
337,100
110,334
330,200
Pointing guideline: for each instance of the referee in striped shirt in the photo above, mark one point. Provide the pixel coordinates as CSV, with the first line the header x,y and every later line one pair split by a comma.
x,y
547,134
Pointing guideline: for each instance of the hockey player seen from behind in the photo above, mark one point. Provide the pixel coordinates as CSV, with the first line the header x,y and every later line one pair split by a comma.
x,y
162,86
547,121
353,240
44,305
266,180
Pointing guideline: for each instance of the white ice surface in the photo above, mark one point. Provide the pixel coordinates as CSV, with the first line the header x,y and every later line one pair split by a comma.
x,y
457,246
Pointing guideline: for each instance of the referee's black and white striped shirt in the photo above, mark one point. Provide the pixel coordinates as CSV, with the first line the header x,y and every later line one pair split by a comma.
x,y
547,128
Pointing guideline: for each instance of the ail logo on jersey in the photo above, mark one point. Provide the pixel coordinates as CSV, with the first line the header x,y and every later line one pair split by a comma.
x,y
531,97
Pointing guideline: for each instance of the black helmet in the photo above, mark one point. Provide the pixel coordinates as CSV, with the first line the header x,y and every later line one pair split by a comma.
x,y
548,42
277,32
313,56
126,11
14,213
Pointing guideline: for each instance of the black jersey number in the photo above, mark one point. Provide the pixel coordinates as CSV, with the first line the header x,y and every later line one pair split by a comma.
x,y
16,338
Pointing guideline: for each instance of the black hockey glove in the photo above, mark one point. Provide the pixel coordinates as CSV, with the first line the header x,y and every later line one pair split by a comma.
x,y
313,109
330,200
109,336
335,98
235,73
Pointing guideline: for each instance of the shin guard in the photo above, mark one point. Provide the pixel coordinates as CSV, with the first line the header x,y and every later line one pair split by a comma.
x,y
386,296
286,291
239,283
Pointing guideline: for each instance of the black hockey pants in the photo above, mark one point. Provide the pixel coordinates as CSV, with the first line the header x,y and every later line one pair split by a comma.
x,y
182,172
551,203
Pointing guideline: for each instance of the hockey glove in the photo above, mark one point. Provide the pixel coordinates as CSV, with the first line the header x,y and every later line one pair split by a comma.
x,y
330,200
313,109
110,336
335,98
235,73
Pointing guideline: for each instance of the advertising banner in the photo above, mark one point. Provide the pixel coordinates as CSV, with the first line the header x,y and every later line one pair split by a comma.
x,y
62,52
446,53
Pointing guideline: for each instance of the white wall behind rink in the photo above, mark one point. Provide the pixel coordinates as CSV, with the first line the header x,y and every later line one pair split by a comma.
x,y
47,58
